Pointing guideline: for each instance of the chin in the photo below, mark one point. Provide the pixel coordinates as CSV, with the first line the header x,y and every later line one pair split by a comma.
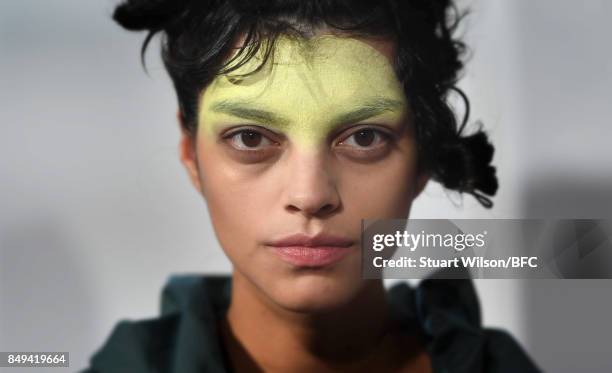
x,y
312,291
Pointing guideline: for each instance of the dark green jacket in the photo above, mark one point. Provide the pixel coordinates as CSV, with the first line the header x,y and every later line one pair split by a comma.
x,y
184,338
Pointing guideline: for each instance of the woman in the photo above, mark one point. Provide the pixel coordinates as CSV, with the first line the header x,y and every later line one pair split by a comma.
x,y
299,119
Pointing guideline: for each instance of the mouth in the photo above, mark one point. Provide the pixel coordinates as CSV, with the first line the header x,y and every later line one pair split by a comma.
x,y
317,251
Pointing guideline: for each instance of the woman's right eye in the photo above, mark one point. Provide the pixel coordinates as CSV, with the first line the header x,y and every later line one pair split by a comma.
x,y
249,140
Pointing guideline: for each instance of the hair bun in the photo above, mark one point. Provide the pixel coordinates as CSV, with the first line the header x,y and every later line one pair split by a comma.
x,y
151,15
465,165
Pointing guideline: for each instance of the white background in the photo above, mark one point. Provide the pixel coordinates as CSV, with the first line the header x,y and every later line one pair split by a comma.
x,y
96,211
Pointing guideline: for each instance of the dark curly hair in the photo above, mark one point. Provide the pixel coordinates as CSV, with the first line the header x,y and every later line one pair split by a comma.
x,y
199,34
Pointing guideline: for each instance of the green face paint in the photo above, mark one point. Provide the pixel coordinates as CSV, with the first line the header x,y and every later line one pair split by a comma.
x,y
307,89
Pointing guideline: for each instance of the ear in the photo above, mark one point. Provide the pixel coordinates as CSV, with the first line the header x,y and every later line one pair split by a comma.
x,y
188,154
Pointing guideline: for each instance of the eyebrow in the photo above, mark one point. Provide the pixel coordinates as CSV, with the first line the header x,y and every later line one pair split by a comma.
x,y
369,109
248,111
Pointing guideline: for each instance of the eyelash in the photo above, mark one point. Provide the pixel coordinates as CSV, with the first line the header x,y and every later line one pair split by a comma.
x,y
233,134
383,136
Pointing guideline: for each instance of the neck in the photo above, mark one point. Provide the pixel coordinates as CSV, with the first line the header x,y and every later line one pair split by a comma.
x,y
261,335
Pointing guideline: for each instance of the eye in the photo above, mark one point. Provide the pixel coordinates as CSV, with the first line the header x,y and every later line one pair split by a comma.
x,y
366,138
248,139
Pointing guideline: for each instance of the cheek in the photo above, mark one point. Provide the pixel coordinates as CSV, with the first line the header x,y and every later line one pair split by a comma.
x,y
230,196
386,192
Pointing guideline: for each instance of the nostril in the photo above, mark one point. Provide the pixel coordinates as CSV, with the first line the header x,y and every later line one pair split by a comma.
x,y
323,210
293,208
327,208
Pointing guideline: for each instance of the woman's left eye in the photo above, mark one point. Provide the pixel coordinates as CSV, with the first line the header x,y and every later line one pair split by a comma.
x,y
366,138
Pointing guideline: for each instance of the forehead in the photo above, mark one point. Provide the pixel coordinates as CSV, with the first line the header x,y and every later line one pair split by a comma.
x,y
311,78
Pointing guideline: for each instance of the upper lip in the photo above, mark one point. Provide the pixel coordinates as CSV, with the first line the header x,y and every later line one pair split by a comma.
x,y
320,239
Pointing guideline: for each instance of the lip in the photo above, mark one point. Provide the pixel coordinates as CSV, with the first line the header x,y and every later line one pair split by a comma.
x,y
318,240
320,250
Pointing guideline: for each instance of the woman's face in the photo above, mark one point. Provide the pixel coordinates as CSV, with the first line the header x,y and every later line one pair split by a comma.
x,y
313,142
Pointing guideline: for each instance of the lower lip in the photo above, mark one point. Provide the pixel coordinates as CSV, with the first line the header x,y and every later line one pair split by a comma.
x,y
303,256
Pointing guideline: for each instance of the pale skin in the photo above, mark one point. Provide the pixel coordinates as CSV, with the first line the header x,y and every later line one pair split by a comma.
x,y
315,141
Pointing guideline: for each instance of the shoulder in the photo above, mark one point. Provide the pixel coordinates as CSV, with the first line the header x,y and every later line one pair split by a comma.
x,y
190,305
447,313
503,353
136,346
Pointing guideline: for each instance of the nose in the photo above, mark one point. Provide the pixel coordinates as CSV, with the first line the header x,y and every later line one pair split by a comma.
x,y
310,186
